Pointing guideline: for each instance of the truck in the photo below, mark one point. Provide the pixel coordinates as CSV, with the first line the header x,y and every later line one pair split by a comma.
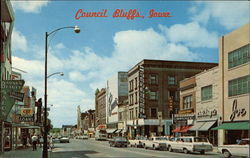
x,y
100,135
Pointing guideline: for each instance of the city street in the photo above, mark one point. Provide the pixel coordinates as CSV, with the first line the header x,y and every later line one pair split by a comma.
x,y
92,148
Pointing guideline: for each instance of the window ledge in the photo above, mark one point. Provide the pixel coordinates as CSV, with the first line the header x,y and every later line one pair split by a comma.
x,y
206,101
238,66
240,95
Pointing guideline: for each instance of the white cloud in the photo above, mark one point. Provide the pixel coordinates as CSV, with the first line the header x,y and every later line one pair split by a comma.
x,y
229,14
19,41
76,76
59,46
29,6
191,34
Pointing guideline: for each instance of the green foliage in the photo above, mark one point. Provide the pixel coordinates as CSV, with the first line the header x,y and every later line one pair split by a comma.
x,y
55,130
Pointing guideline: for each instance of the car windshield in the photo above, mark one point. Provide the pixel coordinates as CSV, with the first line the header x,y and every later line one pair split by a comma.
x,y
120,139
200,140
161,138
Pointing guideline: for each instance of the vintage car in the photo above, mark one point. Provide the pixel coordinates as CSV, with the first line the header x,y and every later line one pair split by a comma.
x,y
138,141
190,144
118,142
240,149
156,143
64,140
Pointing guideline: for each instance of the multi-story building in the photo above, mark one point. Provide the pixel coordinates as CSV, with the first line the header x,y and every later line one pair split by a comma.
x,y
100,108
186,115
234,81
6,28
116,93
122,118
207,104
151,85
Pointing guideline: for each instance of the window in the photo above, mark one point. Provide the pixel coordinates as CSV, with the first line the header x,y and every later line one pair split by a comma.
x,y
153,96
173,94
132,95
239,86
206,93
153,79
153,112
135,97
136,112
171,80
136,83
239,56
187,102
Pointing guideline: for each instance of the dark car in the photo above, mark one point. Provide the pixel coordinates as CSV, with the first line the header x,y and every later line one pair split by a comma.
x,y
118,142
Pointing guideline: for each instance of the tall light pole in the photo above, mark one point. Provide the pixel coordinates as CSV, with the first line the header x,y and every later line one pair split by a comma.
x,y
45,145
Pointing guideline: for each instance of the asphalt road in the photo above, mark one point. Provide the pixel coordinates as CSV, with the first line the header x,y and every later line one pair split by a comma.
x,y
91,148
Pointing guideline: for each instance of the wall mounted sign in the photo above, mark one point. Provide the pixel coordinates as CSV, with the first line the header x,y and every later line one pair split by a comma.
x,y
207,113
237,112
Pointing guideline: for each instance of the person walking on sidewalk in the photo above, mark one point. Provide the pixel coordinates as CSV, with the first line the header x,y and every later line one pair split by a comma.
x,y
34,139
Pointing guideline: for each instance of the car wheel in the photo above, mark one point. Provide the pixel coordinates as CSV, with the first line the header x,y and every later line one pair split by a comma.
x,y
226,154
202,152
170,149
185,151
154,147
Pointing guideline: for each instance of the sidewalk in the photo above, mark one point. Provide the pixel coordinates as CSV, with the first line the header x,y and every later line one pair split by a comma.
x,y
24,153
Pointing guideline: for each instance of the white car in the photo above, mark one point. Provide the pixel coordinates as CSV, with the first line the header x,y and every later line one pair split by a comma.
x,y
156,143
64,140
240,149
191,144
138,141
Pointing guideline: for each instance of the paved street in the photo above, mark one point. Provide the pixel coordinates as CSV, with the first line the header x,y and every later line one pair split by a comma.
x,y
91,148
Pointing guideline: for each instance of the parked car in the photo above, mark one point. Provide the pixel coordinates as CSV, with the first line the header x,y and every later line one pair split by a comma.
x,y
240,149
118,142
156,143
100,135
138,141
83,137
64,140
56,140
190,144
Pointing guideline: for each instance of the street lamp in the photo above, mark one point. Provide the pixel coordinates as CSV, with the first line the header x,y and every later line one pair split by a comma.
x,y
45,145
60,73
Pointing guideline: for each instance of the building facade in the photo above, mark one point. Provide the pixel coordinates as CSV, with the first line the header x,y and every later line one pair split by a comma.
x,y
186,114
100,108
234,66
151,85
116,93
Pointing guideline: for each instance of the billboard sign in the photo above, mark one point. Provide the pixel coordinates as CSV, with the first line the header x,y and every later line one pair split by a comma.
x,y
27,112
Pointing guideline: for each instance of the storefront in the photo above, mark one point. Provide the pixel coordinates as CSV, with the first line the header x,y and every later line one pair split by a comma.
x,y
7,136
182,124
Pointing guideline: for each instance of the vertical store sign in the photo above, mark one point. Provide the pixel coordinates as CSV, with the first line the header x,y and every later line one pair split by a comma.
x,y
9,87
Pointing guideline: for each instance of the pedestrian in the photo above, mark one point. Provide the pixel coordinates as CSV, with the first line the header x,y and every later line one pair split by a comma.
x,y
24,140
41,141
34,141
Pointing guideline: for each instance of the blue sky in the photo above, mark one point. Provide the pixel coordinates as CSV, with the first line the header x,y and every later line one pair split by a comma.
x,y
107,45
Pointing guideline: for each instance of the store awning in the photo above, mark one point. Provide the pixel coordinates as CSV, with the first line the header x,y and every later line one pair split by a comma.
x,y
207,125
182,129
118,131
234,126
111,130
196,126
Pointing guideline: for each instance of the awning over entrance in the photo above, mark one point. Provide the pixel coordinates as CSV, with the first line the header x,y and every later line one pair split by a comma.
x,y
207,125
196,126
234,126
118,131
181,129
111,130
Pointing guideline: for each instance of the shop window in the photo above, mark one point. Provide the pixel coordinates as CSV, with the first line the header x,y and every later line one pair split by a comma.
x,y
171,80
239,86
206,93
239,56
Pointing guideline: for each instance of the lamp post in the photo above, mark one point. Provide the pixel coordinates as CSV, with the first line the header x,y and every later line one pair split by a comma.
x,y
45,145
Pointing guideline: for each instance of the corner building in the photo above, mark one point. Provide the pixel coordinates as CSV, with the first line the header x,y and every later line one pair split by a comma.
x,y
151,85
234,65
